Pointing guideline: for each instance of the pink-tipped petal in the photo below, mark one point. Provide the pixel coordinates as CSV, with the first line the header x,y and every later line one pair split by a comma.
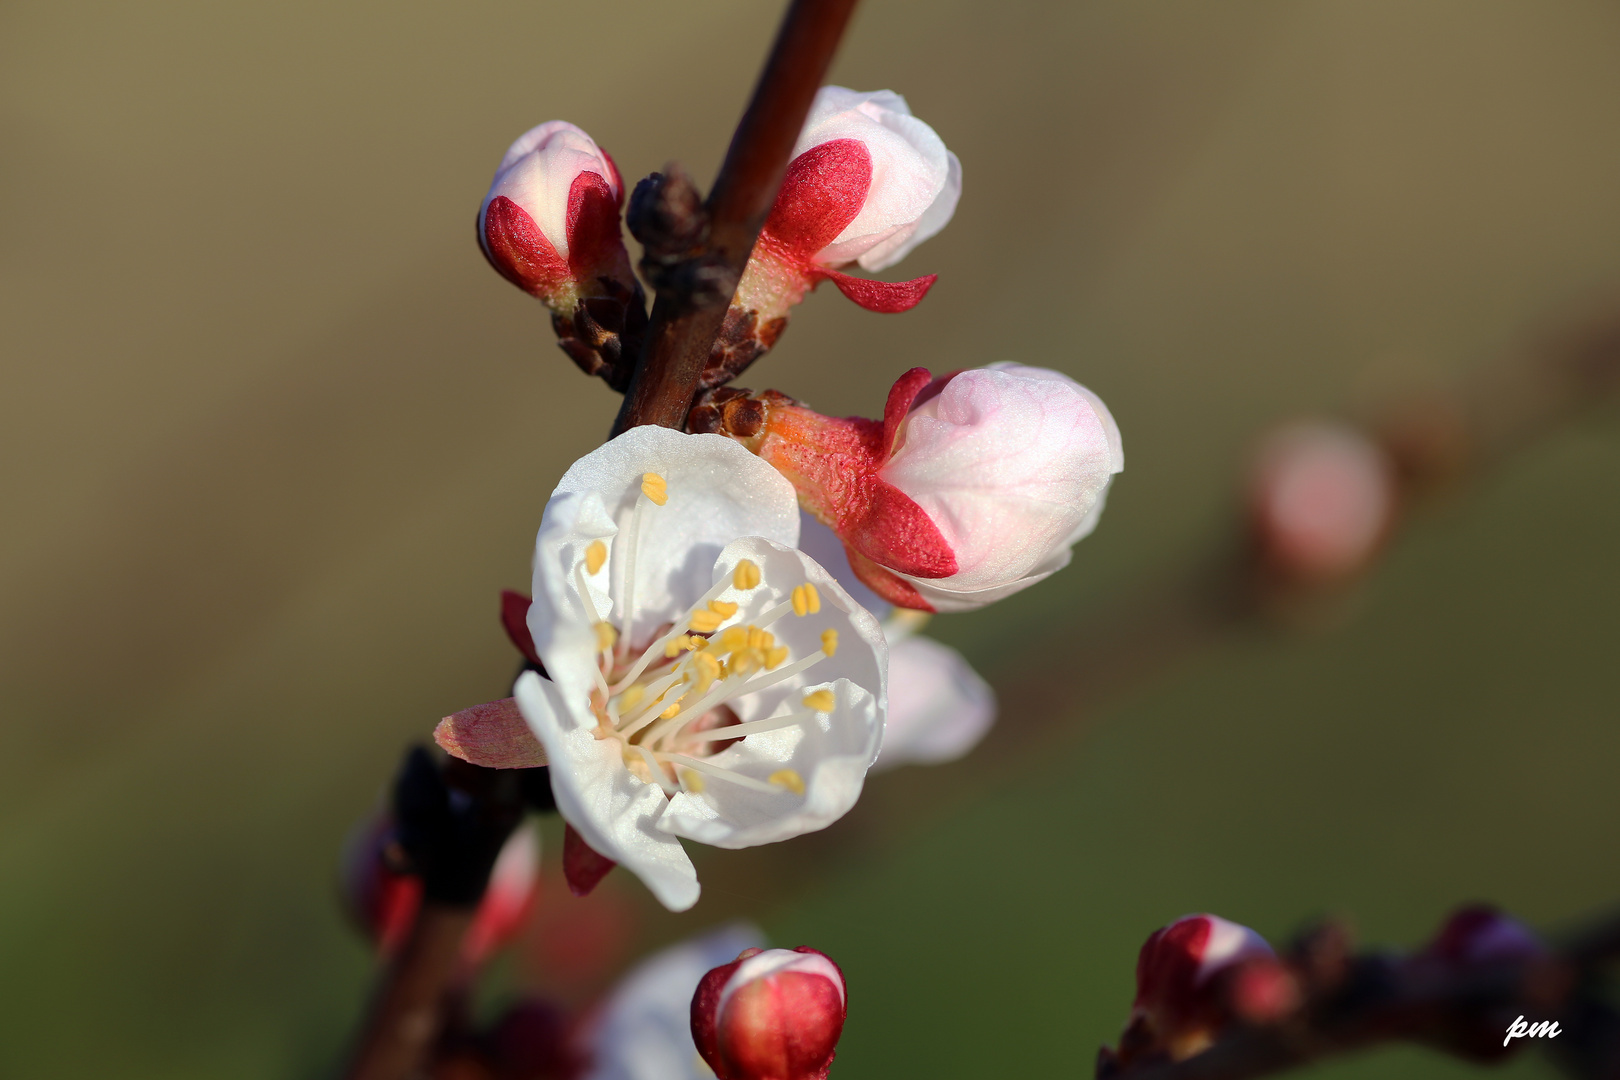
x,y
493,735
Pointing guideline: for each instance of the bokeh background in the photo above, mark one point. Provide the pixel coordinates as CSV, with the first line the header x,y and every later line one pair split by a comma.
x,y
274,437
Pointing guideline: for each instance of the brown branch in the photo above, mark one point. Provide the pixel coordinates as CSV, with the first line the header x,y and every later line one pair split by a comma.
x,y
408,1011
687,315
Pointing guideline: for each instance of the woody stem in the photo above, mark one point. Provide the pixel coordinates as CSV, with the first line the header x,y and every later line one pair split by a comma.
x,y
685,321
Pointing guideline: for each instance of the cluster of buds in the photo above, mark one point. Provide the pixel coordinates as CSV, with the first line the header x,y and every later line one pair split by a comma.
x,y
550,226
691,671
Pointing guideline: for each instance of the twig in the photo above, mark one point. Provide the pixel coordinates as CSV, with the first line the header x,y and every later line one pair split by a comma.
x,y
408,1011
686,318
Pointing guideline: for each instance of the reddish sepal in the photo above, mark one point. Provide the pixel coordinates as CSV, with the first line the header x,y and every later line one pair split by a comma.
x,y
896,531
884,297
515,619
583,865
902,395
593,225
896,590
822,192
518,250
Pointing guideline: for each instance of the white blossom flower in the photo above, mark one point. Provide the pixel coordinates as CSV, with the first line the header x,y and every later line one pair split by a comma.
x,y
644,1030
707,680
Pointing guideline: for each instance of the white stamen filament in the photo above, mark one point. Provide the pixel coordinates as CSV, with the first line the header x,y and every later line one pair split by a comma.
x,y
656,649
774,614
657,770
699,765
590,613
753,727
632,539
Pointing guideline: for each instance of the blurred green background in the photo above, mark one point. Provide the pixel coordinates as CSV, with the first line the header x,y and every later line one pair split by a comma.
x,y
274,437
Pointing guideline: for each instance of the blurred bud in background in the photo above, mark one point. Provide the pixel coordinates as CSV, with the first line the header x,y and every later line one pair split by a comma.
x,y
868,182
972,487
1481,934
550,225
1321,500
381,894
771,1014
1196,975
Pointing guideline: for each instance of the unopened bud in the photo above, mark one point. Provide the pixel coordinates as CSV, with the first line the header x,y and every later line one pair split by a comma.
x,y
867,183
972,487
550,225
771,1014
1179,1005
1321,501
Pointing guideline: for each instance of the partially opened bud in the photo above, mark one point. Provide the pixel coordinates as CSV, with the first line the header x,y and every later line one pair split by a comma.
x,y
1178,1009
972,487
868,182
1321,501
771,1014
550,225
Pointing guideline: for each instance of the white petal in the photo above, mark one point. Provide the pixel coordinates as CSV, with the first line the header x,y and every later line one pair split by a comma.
x,y
939,707
559,621
644,1031
613,811
936,217
1007,465
717,492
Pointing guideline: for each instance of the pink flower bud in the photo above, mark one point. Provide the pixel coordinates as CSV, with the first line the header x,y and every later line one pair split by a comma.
x,y
550,223
1321,501
972,487
1177,1008
868,182
771,1014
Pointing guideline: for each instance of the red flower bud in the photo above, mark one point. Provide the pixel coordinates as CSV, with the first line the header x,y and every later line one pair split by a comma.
x,y
1480,934
771,1014
1178,1007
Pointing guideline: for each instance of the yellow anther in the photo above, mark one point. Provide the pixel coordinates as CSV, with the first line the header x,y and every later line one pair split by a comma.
x,y
706,622
829,642
723,608
747,660
698,644
756,638
654,487
734,638
595,556
774,657
631,698
693,781
746,576
806,600
708,663
674,648
788,778
820,701
605,636
673,710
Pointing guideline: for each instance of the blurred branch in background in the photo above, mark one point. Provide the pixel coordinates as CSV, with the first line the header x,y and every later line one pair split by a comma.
x,y
1482,990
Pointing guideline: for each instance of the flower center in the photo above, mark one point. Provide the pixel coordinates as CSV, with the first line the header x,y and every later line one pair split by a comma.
x,y
668,704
